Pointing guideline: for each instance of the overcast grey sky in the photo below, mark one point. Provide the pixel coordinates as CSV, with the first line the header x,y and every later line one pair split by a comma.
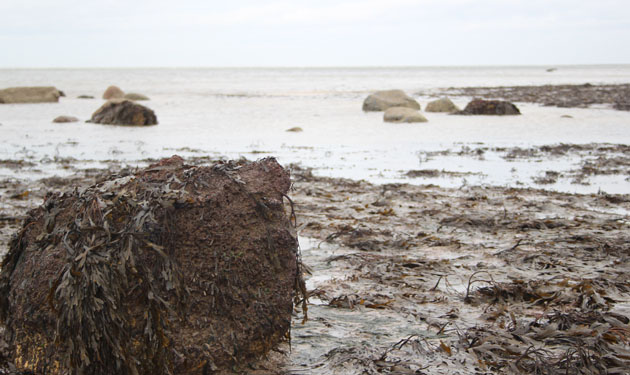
x,y
143,33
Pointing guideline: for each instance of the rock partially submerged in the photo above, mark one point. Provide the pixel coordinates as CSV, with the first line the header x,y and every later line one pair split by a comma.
x,y
124,112
64,119
441,105
489,107
403,114
381,100
172,270
113,92
46,94
135,96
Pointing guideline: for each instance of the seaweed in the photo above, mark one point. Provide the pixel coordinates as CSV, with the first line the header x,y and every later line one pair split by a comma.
x,y
172,270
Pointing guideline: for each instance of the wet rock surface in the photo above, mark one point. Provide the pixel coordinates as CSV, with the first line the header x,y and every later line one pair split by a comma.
x,y
381,100
172,269
124,112
580,96
489,107
47,94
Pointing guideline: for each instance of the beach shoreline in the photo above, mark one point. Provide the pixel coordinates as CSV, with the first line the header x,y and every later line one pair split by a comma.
x,y
434,265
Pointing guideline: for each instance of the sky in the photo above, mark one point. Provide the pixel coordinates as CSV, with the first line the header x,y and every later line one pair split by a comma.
x,y
200,33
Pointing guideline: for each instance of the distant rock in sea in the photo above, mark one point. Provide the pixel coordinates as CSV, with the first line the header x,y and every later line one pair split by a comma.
x,y
113,92
489,107
47,94
441,105
403,114
63,119
381,100
85,97
295,129
124,112
134,96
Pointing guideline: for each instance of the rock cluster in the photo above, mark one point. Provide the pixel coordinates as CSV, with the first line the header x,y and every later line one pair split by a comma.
x,y
564,96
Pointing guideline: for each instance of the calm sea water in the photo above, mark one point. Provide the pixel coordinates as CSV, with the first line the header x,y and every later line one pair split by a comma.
x,y
245,112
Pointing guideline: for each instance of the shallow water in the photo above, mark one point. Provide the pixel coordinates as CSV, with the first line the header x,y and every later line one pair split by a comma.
x,y
245,112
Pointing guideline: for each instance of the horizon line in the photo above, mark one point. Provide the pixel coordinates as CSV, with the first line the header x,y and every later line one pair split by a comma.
x,y
315,66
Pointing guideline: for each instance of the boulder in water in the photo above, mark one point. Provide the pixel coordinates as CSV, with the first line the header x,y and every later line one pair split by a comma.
x,y
489,107
46,94
135,96
124,112
63,119
113,92
172,270
441,105
381,100
403,114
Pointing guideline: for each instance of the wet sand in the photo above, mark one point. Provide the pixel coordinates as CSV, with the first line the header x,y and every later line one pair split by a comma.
x,y
470,280
408,278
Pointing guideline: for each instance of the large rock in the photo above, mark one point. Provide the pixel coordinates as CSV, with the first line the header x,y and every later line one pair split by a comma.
x,y
489,107
403,114
172,270
124,112
381,100
135,96
441,105
47,94
113,92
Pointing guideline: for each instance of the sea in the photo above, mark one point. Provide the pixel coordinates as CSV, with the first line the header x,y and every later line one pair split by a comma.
x,y
245,112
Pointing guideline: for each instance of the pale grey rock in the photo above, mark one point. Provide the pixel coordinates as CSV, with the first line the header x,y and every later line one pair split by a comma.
x,y
381,100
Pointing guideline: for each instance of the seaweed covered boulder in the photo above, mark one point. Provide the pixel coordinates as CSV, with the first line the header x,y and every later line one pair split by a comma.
x,y
124,112
489,107
171,270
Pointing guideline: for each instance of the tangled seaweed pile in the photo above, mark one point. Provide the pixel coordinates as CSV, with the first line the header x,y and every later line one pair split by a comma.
x,y
173,270
476,280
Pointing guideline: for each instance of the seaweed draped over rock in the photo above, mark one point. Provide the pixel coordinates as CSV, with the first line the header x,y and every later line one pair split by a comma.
x,y
172,270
